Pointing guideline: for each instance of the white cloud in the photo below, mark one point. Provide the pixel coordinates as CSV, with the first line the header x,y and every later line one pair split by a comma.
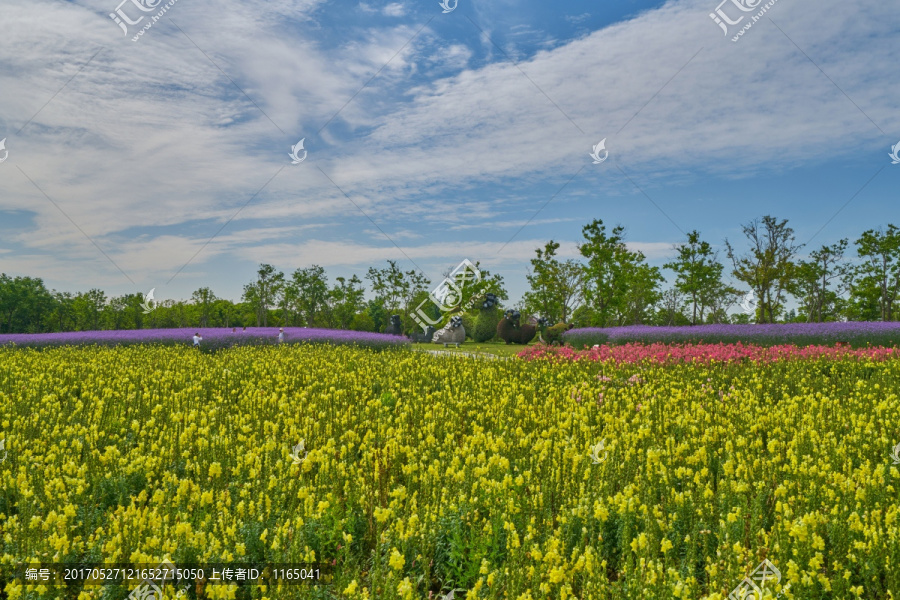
x,y
152,142
394,9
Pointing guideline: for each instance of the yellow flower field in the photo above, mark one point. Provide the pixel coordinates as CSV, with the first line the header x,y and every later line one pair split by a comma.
x,y
421,474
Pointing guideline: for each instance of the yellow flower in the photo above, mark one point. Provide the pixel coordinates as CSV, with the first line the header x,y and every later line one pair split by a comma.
x,y
396,561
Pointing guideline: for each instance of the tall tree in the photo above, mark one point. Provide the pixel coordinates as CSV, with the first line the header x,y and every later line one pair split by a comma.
x,y
88,307
813,280
555,285
204,299
395,290
345,299
619,287
311,289
24,302
698,274
879,273
264,292
768,267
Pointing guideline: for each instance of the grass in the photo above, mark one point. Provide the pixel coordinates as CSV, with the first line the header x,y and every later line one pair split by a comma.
x,y
498,348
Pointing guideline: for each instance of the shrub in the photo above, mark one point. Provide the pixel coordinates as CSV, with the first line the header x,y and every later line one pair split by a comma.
x,y
553,335
486,324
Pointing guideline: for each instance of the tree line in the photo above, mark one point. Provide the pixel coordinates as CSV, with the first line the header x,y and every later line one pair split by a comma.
x,y
609,285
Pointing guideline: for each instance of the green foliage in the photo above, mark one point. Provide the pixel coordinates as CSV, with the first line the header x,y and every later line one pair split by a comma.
x,y
698,276
877,280
553,335
555,285
486,324
768,267
619,286
362,322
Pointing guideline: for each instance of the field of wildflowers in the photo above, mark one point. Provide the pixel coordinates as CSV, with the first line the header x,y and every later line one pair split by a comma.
x,y
523,479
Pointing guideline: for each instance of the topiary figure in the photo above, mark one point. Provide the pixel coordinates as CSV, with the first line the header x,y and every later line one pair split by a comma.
x,y
452,333
487,320
553,335
511,332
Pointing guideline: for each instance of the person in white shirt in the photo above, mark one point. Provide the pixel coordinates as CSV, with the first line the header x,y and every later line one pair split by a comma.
x,y
281,335
197,340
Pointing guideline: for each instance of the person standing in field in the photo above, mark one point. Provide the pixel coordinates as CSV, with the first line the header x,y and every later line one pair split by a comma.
x,y
281,335
197,340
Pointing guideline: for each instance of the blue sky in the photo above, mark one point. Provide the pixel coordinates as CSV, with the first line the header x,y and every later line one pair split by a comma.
x,y
461,135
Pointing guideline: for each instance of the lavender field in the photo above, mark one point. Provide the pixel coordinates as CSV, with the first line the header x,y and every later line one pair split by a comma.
x,y
857,334
213,338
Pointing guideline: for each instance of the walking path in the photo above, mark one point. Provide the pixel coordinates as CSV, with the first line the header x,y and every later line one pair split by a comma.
x,y
469,354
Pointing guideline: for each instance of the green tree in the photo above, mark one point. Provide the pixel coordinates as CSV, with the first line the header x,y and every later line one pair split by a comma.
x,y
345,300
768,267
642,291
619,287
24,304
395,292
698,274
555,285
813,280
877,279
88,307
311,289
204,300
263,292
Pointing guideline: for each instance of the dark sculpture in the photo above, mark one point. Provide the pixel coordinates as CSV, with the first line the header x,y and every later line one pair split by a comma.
x,y
395,328
511,332
423,338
